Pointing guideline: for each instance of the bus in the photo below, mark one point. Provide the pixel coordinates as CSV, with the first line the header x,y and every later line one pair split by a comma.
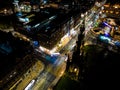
x,y
30,85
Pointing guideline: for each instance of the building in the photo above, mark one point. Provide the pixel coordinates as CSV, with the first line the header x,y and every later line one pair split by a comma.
x,y
112,11
49,25
18,62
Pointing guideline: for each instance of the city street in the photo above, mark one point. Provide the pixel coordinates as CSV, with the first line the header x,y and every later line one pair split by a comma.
x,y
50,75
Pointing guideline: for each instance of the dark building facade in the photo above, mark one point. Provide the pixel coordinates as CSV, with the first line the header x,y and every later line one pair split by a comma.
x,y
16,59
52,25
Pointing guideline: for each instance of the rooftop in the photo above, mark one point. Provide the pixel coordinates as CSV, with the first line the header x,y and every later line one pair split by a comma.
x,y
48,19
11,49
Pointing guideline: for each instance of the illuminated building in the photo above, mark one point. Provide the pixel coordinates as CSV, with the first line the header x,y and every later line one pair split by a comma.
x,y
16,63
49,25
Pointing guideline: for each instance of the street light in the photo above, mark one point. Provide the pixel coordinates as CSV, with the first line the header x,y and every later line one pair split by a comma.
x,y
82,15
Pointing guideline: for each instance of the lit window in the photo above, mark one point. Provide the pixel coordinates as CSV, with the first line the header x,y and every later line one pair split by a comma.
x,y
111,11
116,12
106,11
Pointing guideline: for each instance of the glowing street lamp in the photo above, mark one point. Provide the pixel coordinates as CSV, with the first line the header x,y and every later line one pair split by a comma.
x,y
82,15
